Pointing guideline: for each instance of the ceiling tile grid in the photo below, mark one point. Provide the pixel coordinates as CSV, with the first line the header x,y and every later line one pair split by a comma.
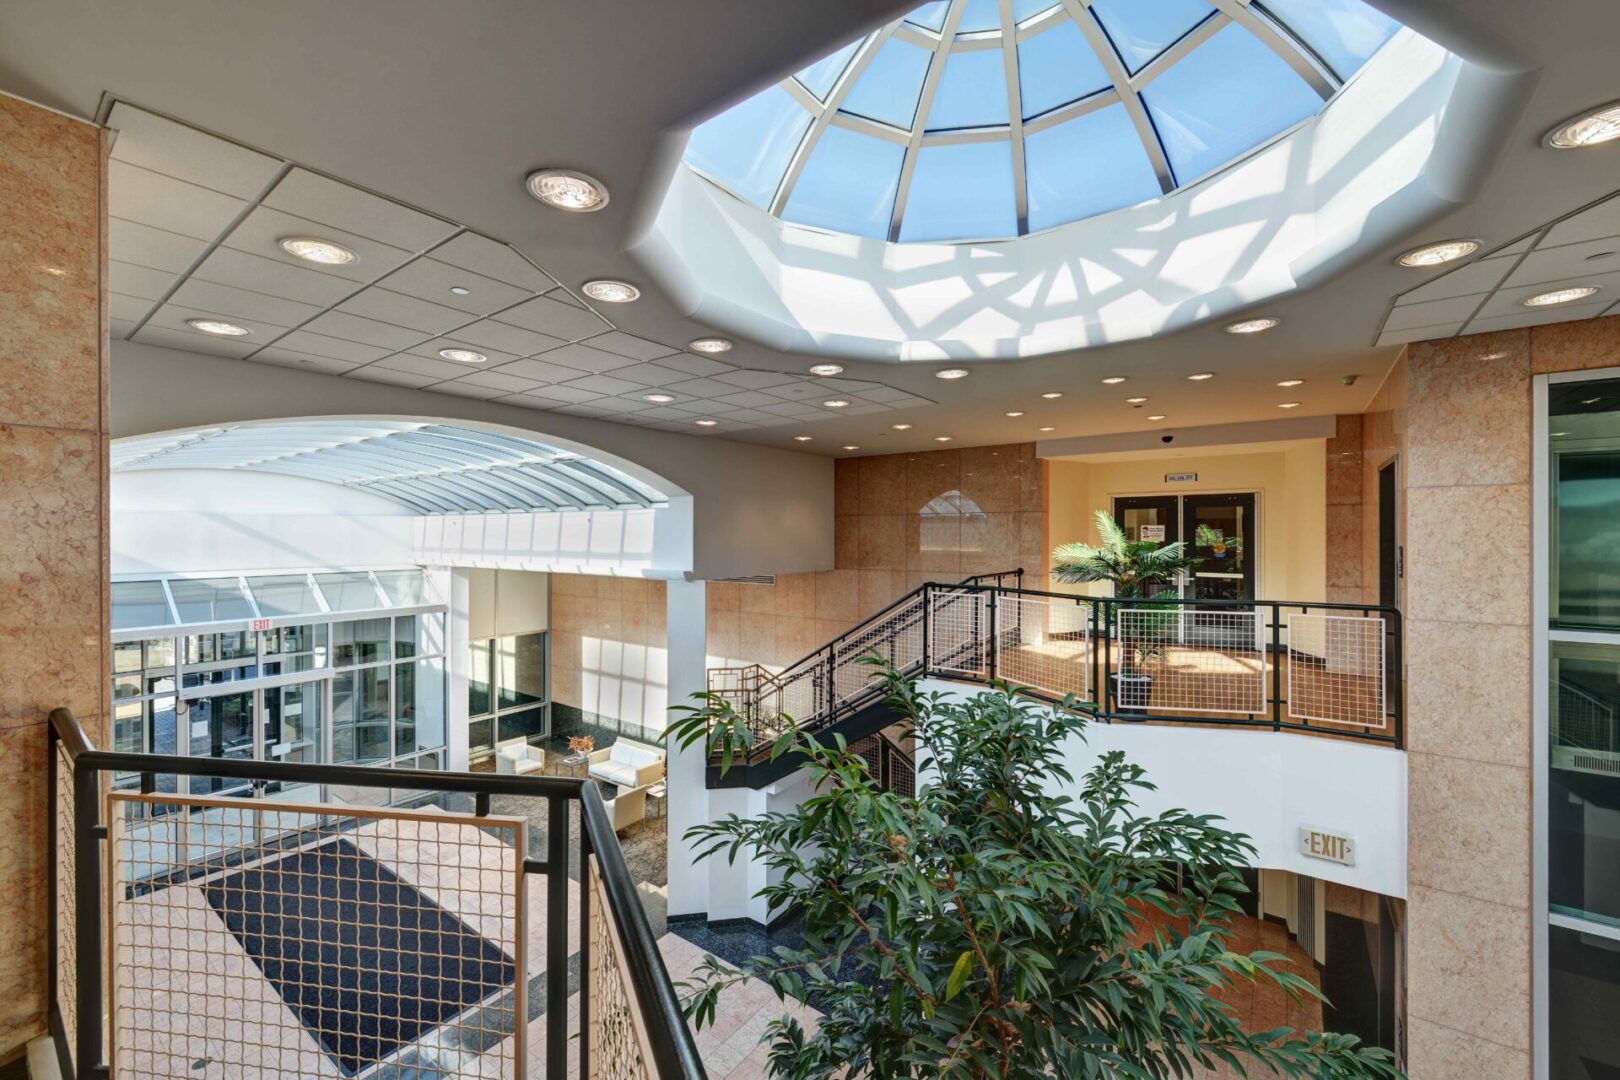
x,y
1580,250
195,231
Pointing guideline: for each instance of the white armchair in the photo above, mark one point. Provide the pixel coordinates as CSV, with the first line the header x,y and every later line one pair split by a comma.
x,y
628,764
627,808
520,759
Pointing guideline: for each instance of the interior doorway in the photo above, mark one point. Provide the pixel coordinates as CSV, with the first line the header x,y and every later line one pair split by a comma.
x,y
1217,528
1389,545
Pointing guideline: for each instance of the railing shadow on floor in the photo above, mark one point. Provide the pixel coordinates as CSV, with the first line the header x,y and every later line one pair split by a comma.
x,y
342,937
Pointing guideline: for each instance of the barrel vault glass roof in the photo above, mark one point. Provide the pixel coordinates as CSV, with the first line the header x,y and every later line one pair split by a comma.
x,y
430,468
987,119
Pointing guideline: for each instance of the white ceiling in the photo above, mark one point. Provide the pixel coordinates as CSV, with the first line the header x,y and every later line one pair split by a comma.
x,y
446,107
194,228
1488,293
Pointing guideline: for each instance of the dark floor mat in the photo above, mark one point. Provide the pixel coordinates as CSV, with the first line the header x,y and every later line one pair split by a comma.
x,y
366,962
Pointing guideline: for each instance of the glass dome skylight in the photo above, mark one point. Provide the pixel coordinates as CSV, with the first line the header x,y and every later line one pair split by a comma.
x,y
985,119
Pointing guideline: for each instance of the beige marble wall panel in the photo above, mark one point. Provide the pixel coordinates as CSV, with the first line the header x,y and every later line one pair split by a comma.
x,y
1468,691
1575,346
1468,966
1442,1053
1468,553
1473,395
53,478
1466,828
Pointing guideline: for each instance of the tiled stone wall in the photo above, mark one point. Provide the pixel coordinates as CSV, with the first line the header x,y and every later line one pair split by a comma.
x,y
1469,712
1345,514
609,663
53,461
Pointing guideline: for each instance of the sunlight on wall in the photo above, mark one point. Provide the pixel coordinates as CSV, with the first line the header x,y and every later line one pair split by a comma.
x,y
625,682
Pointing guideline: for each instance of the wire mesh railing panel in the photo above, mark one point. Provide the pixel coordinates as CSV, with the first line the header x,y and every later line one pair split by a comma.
x,y
1203,661
255,939
1336,670
1583,721
1045,645
67,986
896,638
619,1049
959,630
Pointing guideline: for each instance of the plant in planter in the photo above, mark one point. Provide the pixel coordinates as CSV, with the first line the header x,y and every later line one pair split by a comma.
x,y
1137,569
1009,920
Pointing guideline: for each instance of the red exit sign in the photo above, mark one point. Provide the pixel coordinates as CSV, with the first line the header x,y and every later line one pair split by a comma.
x,y
261,624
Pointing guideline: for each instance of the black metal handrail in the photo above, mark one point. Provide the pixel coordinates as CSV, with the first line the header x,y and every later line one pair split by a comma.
x,y
674,1053
1102,623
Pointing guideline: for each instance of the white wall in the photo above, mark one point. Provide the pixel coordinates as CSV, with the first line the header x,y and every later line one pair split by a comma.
x,y
1267,785
755,509
505,602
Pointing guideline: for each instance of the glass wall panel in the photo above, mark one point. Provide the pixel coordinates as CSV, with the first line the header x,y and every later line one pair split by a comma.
x,y
294,648
351,591
216,648
481,735
418,635
405,588
419,723
292,722
220,727
284,594
361,641
523,724
139,603
1584,429
479,678
1584,1002
1583,802
200,600
521,674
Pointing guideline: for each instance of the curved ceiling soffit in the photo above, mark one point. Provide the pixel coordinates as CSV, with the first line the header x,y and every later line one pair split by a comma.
x,y
428,465
1406,141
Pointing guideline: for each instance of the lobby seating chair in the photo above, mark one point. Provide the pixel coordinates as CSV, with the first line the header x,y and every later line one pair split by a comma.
x,y
627,764
520,759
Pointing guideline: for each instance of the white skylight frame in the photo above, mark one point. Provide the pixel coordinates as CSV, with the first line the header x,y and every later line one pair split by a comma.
x,y
1125,89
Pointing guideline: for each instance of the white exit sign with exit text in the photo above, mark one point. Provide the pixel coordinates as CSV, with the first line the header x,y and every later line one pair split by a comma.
x,y
1321,844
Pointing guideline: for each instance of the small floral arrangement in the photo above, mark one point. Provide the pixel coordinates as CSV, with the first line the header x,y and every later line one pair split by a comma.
x,y
581,744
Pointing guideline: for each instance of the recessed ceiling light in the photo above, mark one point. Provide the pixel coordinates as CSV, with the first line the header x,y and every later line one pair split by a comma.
x,y
710,344
1048,429
460,290
1135,400
705,423
1200,376
1015,412
1288,405
1113,380
1157,416
942,438
566,189
463,356
1292,382
1251,326
801,438
1560,296
1051,394
826,369
902,427
1436,254
835,403
218,328
317,251
1589,129
952,373
612,292
660,399
851,446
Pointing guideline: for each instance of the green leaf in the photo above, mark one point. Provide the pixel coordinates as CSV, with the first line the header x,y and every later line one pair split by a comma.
x,y
959,974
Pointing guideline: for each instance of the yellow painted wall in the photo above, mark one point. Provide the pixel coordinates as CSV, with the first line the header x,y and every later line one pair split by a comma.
x,y
1291,484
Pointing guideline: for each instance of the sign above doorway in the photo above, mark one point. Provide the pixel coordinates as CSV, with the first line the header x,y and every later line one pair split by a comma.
x,y
1180,477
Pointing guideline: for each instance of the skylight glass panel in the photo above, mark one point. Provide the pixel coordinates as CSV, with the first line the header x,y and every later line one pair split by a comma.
x,y
201,600
283,594
978,16
1089,165
139,603
405,588
931,15
747,147
1028,9
848,184
1345,33
1056,67
961,192
888,89
1231,94
820,76
972,91
1142,29
349,591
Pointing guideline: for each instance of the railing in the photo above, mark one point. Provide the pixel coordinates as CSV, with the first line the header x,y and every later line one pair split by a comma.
x,y
1315,668
294,935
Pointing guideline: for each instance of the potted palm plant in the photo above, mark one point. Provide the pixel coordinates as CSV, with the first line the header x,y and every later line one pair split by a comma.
x,y
1136,569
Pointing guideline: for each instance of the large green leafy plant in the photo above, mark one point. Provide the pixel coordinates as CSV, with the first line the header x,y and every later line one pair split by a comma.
x,y
992,927
1136,568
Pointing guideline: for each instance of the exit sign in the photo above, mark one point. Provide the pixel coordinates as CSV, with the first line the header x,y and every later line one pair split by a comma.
x,y
1180,477
1329,846
261,624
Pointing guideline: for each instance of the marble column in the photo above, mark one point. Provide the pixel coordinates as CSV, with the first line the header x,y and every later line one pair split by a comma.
x,y
53,468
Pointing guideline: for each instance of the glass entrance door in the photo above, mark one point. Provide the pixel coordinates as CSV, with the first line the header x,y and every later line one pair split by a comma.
x,y
1219,531
220,726
293,728
1151,518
